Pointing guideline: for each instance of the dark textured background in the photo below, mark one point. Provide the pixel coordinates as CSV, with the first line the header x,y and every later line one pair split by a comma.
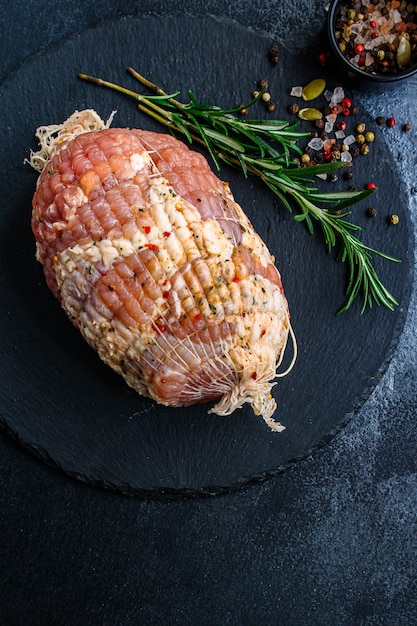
x,y
331,541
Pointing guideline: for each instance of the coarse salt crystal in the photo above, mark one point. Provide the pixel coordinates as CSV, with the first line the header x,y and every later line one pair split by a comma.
x,y
338,95
328,95
339,134
322,176
349,140
346,157
316,143
296,91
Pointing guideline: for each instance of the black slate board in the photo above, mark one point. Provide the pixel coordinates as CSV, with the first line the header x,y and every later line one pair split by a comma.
x,y
60,401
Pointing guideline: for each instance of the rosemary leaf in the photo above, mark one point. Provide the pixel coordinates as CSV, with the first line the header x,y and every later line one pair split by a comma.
x,y
264,148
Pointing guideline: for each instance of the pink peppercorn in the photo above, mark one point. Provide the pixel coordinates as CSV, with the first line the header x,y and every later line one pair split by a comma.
x,y
391,122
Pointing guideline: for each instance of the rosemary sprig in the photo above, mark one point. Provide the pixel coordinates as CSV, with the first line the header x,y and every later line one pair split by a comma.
x,y
265,148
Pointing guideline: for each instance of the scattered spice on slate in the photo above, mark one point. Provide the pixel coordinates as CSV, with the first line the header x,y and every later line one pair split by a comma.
x,y
390,122
372,212
393,219
274,54
407,127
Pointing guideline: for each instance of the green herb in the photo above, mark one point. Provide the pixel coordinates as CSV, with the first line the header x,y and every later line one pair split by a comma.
x,y
264,148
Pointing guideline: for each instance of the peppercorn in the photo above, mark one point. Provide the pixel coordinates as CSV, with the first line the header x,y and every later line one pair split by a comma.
x,y
390,122
294,108
372,211
360,138
360,127
352,188
381,121
333,177
354,110
319,123
341,126
365,149
407,127
305,158
348,175
355,151
266,96
263,83
369,136
371,185
244,111
274,54
271,106
393,219
255,93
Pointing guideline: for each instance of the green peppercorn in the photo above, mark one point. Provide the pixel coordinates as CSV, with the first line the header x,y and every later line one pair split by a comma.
x,y
360,128
342,47
393,219
305,158
365,148
369,136
266,96
360,138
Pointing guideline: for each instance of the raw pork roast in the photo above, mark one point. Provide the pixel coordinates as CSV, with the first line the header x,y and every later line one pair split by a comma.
x,y
158,266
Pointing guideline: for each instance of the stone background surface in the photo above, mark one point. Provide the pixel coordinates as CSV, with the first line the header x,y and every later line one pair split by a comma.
x,y
331,541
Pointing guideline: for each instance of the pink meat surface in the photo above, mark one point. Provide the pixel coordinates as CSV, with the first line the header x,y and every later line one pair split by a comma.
x,y
161,270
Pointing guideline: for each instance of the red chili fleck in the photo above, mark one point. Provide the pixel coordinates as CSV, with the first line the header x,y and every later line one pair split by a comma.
x,y
346,103
160,327
198,317
328,154
166,233
371,186
391,122
165,294
345,111
147,229
372,24
151,246
235,279
254,375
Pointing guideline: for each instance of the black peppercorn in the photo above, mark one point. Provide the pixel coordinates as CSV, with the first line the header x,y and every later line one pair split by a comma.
x,y
294,108
274,54
348,175
380,120
372,212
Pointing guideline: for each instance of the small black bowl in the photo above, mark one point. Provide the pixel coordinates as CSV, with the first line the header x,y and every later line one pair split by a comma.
x,y
351,74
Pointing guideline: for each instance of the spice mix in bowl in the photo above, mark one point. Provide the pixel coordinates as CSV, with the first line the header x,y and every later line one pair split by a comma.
x,y
375,43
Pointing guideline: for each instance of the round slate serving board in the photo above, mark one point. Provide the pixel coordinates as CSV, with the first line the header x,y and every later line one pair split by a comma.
x,y
68,408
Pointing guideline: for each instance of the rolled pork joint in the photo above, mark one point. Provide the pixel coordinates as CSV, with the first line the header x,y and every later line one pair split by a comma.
x,y
158,266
